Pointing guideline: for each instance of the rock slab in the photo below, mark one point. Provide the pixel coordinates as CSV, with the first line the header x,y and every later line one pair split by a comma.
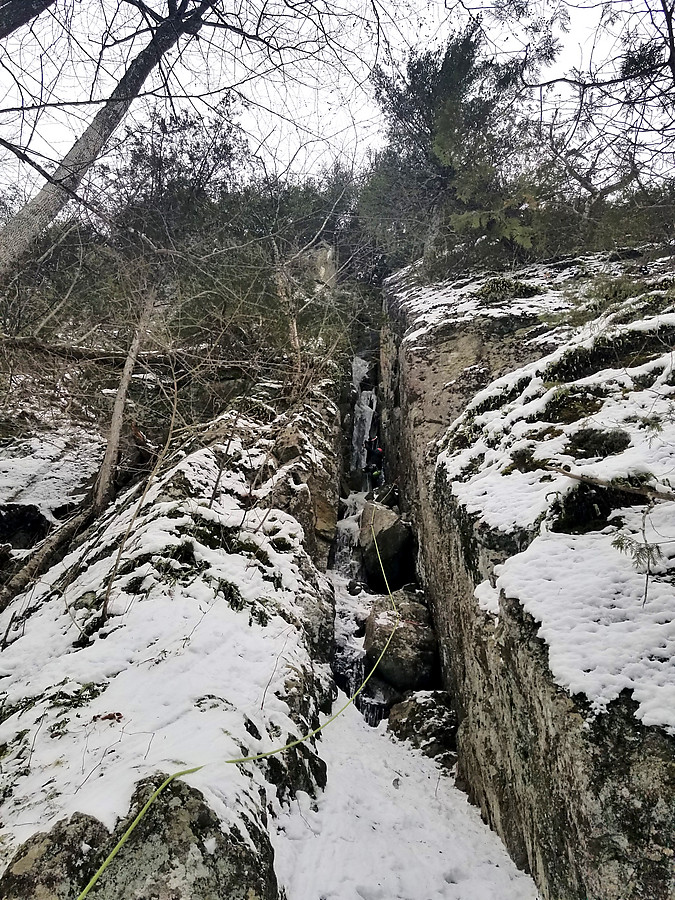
x,y
427,720
410,661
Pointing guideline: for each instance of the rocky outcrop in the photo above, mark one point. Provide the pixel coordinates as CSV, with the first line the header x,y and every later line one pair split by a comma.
x,y
428,721
410,662
581,793
180,844
190,626
308,446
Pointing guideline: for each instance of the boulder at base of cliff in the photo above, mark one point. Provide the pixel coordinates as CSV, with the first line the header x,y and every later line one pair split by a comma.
x,y
427,720
180,842
410,662
395,543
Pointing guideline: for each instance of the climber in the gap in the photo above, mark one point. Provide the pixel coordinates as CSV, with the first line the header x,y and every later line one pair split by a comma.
x,y
374,461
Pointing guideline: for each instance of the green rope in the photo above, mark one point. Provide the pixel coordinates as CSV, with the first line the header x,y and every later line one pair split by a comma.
x,y
127,834
243,759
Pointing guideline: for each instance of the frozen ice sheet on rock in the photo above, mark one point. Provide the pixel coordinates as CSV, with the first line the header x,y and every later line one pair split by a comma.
x,y
389,826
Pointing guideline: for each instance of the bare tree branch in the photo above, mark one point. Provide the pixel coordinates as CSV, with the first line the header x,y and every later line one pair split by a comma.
x,y
15,13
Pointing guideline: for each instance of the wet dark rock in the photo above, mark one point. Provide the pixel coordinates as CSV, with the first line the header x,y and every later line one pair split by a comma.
x,y
22,525
386,495
376,699
410,662
428,721
297,769
394,542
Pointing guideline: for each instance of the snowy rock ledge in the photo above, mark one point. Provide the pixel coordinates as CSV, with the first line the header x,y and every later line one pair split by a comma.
x,y
553,596
215,647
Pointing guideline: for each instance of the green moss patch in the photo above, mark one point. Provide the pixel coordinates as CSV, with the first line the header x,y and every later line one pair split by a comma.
x,y
282,544
7,710
648,305
257,609
179,559
522,460
619,351
501,398
498,290
214,535
588,507
598,442
80,697
569,405
545,434
231,595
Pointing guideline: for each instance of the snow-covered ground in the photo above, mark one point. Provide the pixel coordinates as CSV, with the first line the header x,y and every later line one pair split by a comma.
x,y
390,825
50,470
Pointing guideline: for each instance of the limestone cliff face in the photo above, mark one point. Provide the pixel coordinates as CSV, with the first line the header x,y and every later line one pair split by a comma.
x,y
583,796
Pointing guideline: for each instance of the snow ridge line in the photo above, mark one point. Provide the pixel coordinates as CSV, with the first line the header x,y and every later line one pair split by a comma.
x,y
244,759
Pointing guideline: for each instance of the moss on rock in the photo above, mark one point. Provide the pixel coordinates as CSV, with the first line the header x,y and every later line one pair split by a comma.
x,y
178,850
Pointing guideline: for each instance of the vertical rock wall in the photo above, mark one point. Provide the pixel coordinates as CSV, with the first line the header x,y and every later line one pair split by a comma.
x,y
585,804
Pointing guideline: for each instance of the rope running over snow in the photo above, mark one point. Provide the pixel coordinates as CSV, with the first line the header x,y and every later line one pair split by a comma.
x,y
243,759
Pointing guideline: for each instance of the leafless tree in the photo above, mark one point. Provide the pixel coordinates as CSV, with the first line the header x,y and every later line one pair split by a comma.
x,y
15,13
104,482
26,225
610,120
259,39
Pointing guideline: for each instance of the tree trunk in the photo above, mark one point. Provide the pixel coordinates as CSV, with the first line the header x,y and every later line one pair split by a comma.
x,y
15,13
23,228
103,488
55,543
285,296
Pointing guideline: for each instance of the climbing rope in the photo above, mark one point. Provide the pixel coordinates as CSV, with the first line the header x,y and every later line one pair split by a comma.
x,y
244,759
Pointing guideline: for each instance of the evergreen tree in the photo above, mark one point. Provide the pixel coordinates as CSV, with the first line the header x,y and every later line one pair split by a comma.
x,y
446,179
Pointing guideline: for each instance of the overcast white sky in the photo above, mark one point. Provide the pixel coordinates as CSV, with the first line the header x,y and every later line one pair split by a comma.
x,y
317,110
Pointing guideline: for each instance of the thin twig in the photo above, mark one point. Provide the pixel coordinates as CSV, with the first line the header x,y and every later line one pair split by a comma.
x,y
649,493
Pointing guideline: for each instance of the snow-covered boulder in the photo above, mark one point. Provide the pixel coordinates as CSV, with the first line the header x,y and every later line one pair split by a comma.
x,y
190,628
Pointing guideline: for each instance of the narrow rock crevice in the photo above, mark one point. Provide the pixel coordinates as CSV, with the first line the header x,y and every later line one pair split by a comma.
x,y
372,536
